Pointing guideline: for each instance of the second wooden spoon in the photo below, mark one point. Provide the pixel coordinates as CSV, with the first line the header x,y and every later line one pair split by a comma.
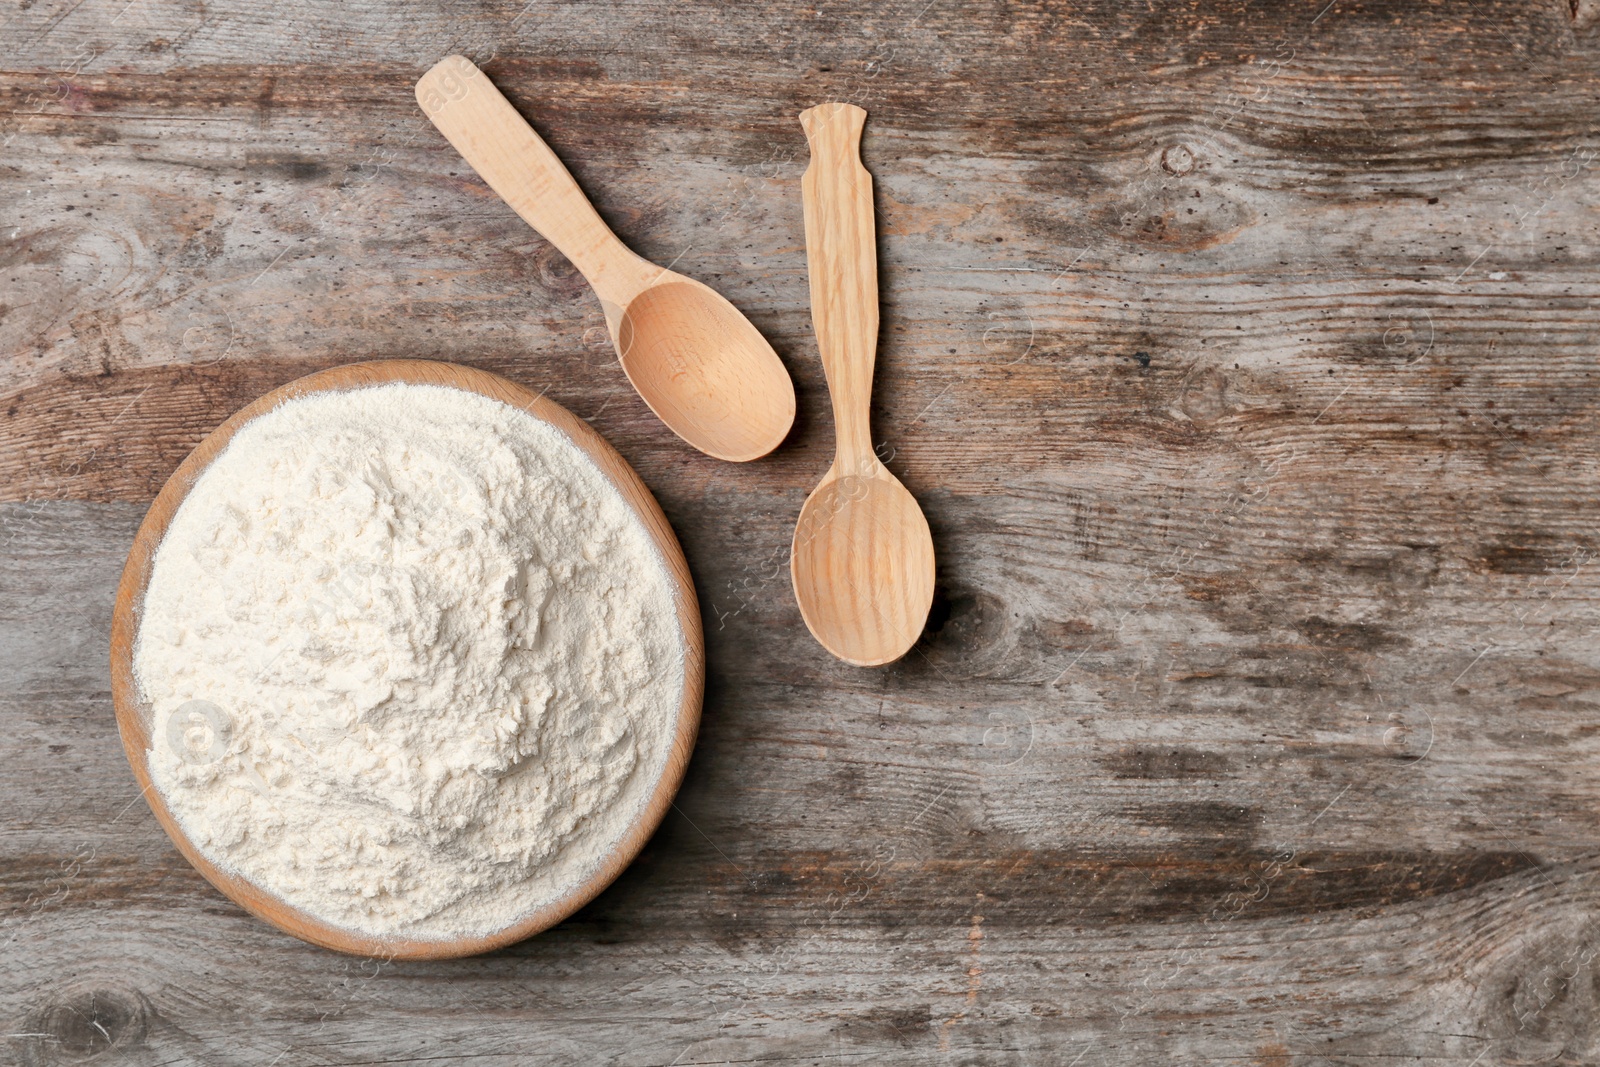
x,y
703,369
862,561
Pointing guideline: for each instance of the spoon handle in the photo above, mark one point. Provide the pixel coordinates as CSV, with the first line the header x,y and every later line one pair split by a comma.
x,y
842,259
516,163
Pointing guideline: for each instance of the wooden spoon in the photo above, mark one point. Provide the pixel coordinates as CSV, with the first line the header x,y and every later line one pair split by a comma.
x,y
703,369
136,719
862,560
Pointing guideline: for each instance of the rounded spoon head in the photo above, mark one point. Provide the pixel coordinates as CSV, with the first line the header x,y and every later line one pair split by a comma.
x,y
862,565
705,370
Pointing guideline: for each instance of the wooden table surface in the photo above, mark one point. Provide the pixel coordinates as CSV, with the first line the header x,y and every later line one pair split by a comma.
x,y
1242,356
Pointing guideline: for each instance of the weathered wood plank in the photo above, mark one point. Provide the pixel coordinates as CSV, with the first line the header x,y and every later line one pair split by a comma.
x,y
1242,357
862,826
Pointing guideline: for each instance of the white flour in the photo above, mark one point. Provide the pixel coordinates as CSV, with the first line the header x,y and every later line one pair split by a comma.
x,y
415,666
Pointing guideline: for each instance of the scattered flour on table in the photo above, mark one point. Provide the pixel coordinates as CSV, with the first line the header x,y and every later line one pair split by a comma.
x,y
414,664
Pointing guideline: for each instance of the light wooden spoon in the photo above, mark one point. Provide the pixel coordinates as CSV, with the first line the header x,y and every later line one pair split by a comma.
x,y
862,560
703,369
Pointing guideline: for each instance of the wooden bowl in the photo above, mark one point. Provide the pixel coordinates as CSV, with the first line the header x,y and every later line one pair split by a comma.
x,y
134,718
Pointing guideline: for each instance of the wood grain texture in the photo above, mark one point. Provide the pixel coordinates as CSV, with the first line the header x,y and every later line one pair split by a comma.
x,y
136,719
1241,355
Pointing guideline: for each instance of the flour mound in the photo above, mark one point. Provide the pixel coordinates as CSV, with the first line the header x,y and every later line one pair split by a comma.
x,y
415,666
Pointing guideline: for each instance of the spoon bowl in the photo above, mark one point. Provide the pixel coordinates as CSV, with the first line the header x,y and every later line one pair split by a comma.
x,y
697,363
862,565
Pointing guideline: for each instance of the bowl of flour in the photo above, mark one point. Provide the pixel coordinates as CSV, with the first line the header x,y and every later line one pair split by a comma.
x,y
407,660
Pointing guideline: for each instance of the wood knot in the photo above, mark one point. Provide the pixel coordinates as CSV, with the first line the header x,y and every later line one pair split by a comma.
x,y
1177,159
1203,397
971,621
1543,1006
557,276
84,1023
